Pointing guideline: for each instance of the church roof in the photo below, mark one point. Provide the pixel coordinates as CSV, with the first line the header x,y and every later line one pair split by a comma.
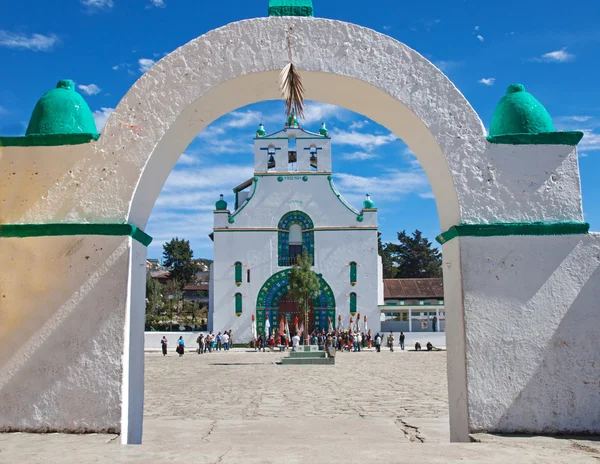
x,y
413,288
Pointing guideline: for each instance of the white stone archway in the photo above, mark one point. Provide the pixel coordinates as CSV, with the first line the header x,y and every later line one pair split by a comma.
x,y
118,178
342,64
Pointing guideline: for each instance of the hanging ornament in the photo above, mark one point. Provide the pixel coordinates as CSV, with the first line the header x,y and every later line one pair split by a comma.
x,y
290,84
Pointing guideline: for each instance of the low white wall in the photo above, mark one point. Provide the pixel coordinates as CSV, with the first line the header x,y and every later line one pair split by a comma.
x,y
152,340
532,323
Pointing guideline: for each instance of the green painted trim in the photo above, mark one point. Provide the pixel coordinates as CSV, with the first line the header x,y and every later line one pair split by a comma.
x,y
68,229
290,173
517,228
315,229
231,219
320,137
571,138
339,196
47,140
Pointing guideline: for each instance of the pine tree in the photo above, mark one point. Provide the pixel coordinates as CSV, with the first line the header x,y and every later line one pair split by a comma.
x,y
177,256
413,257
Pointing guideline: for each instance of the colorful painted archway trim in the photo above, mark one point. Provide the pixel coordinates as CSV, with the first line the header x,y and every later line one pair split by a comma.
x,y
56,230
517,228
277,286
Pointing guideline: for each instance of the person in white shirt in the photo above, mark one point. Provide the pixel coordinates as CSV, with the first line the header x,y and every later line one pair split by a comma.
x,y
225,340
295,341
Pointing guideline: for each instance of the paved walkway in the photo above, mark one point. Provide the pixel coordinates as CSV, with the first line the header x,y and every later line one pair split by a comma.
x,y
242,407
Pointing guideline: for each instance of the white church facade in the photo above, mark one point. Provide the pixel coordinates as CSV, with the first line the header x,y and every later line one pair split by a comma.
x,y
289,207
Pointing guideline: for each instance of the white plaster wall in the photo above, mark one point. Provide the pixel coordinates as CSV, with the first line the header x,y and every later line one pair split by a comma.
x,y
63,304
540,375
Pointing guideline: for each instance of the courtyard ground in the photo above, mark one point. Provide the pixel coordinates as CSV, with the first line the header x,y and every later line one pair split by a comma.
x,y
243,407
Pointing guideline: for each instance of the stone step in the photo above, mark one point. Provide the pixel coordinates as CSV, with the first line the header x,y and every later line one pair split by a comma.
x,y
307,361
308,354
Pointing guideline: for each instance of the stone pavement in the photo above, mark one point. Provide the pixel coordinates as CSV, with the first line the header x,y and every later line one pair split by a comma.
x,y
242,407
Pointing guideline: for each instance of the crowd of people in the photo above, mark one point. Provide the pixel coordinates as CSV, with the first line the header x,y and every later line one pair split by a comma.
x,y
343,340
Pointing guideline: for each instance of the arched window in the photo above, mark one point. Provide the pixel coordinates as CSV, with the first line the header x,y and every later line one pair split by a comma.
x,y
238,304
296,237
238,273
353,273
353,303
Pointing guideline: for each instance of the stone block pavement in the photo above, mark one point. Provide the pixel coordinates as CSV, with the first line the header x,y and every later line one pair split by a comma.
x,y
243,407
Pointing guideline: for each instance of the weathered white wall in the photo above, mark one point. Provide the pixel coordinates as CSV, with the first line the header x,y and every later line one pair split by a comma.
x,y
63,308
542,374
257,250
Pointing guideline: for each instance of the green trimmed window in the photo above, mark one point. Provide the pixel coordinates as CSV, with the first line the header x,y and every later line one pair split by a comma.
x,y
353,272
238,273
353,303
295,237
238,304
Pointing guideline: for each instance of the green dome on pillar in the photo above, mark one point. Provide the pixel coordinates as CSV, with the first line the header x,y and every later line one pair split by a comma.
x,y
291,8
62,112
368,203
520,119
261,132
221,205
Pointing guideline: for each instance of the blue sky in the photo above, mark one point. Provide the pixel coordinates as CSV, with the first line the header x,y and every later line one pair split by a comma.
x,y
105,45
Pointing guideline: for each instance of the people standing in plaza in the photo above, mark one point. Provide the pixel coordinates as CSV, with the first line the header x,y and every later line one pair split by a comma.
x,y
295,341
200,341
164,344
225,340
369,338
401,340
180,346
434,324
390,341
209,342
230,338
219,341
378,342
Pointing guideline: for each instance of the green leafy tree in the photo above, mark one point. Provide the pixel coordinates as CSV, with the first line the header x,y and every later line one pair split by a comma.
x,y
178,257
304,285
413,257
154,297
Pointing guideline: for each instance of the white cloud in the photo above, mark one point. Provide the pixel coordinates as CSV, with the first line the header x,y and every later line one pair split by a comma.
x,y
187,159
581,118
427,195
359,156
590,141
158,3
367,142
480,38
386,187
317,112
557,56
583,155
145,64
98,4
358,125
387,28
116,67
447,65
101,116
487,81
209,178
35,42
476,28
91,89
240,119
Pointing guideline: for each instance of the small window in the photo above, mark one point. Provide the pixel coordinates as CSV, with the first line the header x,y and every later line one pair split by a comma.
x,y
248,275
353,303
295,251
238,304
314,161
271,158
353,273
238,273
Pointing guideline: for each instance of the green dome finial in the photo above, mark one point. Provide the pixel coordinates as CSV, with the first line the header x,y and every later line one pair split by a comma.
x,y
221,205
520,113
292,121
261,132
62,111
368,203
323,130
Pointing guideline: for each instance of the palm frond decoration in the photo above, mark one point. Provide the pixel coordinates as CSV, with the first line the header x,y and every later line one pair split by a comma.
x,y
290,84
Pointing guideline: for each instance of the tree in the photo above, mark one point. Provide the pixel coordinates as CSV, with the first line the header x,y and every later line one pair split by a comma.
x,y
154,297
413,257
177,256
304,285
